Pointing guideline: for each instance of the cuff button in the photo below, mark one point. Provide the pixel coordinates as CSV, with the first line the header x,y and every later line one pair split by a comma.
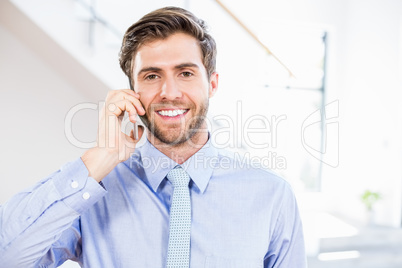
x,y
74,184
86,196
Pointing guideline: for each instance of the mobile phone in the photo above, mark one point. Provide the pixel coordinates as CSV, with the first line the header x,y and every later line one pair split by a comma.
x,y
135,130
135,127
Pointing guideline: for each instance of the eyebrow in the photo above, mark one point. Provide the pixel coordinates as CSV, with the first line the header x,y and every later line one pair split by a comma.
x,y
180,66
186,65
149,69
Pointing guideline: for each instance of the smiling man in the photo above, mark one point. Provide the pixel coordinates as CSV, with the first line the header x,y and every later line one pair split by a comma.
x,y
175,201
174,87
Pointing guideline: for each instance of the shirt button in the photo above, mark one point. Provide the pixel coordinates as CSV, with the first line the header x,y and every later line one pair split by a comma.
x,y
86,196
74,184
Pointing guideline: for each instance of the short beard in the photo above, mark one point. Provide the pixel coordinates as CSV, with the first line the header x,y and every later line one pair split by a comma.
x,y
188,132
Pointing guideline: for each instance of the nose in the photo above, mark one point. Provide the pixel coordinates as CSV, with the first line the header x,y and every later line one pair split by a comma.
x,y
170,89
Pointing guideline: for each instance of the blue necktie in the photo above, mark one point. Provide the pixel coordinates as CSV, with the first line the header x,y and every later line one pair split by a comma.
x,y
178,255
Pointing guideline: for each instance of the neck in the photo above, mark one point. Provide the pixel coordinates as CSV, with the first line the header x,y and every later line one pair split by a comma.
x,y
183,151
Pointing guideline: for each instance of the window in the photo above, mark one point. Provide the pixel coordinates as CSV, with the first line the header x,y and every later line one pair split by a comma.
x,y
267,107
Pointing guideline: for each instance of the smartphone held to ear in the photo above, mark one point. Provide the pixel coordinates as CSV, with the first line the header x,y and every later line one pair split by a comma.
x,y
135,127
127,126
135,130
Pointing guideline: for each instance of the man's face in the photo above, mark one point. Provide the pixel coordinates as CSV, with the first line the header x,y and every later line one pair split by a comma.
x,y
172,81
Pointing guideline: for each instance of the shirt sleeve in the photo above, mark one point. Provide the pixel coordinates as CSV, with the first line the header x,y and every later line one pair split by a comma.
x,y
32,222
287,247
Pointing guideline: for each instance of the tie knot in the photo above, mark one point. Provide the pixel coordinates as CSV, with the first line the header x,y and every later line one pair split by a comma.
x,y
178,177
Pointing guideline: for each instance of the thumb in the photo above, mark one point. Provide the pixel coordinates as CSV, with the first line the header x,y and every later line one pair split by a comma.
x,y
128,143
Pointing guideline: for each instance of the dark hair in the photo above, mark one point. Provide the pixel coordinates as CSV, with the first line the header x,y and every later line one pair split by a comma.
x,y
161,24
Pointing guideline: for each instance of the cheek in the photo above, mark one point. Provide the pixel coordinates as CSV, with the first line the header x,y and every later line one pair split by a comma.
x,y
199,100
201,94
145,99
147,94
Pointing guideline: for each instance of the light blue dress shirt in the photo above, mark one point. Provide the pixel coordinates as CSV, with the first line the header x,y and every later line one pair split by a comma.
x,y
241,216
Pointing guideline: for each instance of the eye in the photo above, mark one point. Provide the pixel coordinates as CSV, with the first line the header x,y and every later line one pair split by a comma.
x,y
186,74
151,77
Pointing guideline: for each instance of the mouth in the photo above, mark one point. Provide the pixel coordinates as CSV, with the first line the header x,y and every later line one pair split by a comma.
x,y
172,112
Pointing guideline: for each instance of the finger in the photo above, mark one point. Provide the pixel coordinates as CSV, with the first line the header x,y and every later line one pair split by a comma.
x,y
117,96
137,104
131,92
119,107
114,95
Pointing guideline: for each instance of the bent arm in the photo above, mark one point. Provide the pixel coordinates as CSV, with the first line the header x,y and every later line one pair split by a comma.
x,y
33,220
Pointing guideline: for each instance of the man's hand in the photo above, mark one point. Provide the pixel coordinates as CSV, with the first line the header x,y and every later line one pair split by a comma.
x,y
113,146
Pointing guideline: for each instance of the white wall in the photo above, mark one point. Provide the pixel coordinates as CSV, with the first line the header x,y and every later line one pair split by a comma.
x,y
364,74
369,78
33,104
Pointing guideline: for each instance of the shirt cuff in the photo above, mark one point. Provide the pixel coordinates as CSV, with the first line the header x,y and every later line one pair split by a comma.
x,y
76,188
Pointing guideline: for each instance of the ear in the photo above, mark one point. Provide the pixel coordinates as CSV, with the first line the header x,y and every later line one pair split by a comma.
x,y
213,84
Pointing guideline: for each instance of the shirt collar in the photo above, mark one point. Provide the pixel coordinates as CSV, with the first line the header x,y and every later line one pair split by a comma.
x,y
199,166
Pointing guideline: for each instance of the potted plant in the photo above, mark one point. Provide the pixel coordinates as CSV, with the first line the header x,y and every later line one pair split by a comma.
x,y
369,198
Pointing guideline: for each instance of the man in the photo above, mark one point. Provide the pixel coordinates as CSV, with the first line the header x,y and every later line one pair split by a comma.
x,y
121,206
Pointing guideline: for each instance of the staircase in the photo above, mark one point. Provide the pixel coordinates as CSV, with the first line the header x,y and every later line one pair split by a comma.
x,y
80,44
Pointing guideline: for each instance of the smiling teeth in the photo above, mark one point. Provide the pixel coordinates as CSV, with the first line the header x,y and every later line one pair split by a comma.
x,y
171,113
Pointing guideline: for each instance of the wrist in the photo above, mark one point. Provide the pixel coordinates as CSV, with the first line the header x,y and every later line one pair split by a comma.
x,y
99,162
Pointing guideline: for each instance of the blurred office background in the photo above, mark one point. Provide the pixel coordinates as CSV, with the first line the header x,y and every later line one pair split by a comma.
x,y
316,83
